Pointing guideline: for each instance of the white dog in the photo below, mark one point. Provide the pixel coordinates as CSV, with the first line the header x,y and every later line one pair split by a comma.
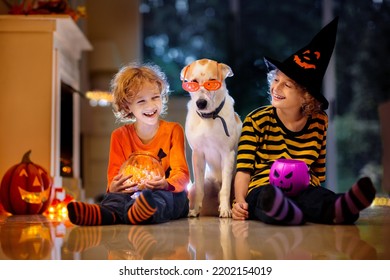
x,y
212,129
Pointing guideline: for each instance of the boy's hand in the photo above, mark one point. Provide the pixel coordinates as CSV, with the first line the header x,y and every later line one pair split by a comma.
x,y
157,183
119,184
240,211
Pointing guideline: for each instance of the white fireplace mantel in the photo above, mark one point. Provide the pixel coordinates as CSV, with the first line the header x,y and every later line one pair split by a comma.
x,y
37,53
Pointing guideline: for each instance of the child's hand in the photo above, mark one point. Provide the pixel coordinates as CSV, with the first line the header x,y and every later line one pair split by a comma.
x,y
240,229
119,184
240,211
157,183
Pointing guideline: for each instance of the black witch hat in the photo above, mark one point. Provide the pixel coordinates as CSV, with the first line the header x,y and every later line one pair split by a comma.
x,y
308,65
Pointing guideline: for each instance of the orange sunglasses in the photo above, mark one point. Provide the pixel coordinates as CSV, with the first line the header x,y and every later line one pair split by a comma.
x,y
210,85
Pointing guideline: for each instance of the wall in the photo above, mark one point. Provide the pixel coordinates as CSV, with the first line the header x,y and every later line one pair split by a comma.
x,y
115,33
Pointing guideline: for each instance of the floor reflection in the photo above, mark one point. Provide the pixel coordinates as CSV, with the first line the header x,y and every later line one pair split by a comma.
x,y
132,242
40,237
29,240
319,242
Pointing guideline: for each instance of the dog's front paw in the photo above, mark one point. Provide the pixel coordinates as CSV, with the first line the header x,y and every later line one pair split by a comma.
x,y
193,213
225,213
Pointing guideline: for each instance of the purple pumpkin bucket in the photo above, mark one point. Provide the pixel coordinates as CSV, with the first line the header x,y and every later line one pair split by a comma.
x,y
290,175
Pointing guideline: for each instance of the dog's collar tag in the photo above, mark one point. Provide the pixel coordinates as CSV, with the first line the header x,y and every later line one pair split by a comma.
x,y
215,115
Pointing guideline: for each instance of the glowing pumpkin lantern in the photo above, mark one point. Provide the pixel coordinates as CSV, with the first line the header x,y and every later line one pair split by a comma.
x,y
26,188
143,166
290,175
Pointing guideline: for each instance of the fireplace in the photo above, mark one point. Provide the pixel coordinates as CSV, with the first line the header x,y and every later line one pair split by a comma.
x,y
41,57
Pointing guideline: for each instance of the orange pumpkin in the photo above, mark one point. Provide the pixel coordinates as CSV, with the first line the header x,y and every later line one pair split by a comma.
x,y
26,188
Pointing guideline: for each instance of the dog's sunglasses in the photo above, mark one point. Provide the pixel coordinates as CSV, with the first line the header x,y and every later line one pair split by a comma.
x,y
211,85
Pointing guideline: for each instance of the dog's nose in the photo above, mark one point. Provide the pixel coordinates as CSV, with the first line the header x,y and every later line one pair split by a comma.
x,y
201,103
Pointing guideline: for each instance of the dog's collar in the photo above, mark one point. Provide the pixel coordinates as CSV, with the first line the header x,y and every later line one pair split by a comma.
x,y
215,115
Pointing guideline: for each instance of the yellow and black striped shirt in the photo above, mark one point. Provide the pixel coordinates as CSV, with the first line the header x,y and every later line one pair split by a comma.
x,y
264,139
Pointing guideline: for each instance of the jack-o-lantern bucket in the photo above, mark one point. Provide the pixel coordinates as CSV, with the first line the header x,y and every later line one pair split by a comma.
x,y
290,175
143,166
26,188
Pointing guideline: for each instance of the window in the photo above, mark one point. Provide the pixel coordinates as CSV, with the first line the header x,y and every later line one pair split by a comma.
x,y
241,33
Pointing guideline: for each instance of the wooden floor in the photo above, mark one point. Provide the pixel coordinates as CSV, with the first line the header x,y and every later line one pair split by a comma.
x,y
205,238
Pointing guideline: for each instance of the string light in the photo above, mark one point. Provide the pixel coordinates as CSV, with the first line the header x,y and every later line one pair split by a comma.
x,y
99,98
381,201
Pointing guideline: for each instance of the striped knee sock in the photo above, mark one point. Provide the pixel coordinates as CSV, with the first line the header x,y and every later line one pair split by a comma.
x,y
143,241
143,208
85,214
348,242
83,238
359,197
276,205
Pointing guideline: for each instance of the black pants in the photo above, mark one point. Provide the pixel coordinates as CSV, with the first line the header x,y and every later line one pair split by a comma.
x,y
316,203
170,206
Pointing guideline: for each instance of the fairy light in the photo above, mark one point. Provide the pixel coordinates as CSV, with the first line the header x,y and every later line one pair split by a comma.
x,y
99,98
381,201
58,208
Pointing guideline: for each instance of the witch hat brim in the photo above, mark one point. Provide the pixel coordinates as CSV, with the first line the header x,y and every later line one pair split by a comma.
x,y
308,65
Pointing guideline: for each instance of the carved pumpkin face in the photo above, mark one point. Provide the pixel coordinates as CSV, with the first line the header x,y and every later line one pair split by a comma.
x,y
26,188
308,59
26,241
290,175
143,167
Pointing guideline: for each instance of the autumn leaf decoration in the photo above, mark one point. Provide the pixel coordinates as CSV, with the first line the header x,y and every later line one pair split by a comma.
x,y
45,7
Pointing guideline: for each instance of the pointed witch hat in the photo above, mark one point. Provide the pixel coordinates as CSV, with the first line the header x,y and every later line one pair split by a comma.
x,y
308,65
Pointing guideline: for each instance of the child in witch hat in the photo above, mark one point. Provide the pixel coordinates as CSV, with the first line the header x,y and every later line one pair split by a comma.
x,y
294,126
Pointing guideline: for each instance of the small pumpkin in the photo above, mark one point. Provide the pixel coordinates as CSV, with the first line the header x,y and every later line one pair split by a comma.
x,y
290,175
26,188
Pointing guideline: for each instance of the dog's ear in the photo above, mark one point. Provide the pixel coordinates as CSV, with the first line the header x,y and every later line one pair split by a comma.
x,y
226,70
183,71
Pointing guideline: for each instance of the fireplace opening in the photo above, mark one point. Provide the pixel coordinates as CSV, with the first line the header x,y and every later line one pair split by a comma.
x,y
66,131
